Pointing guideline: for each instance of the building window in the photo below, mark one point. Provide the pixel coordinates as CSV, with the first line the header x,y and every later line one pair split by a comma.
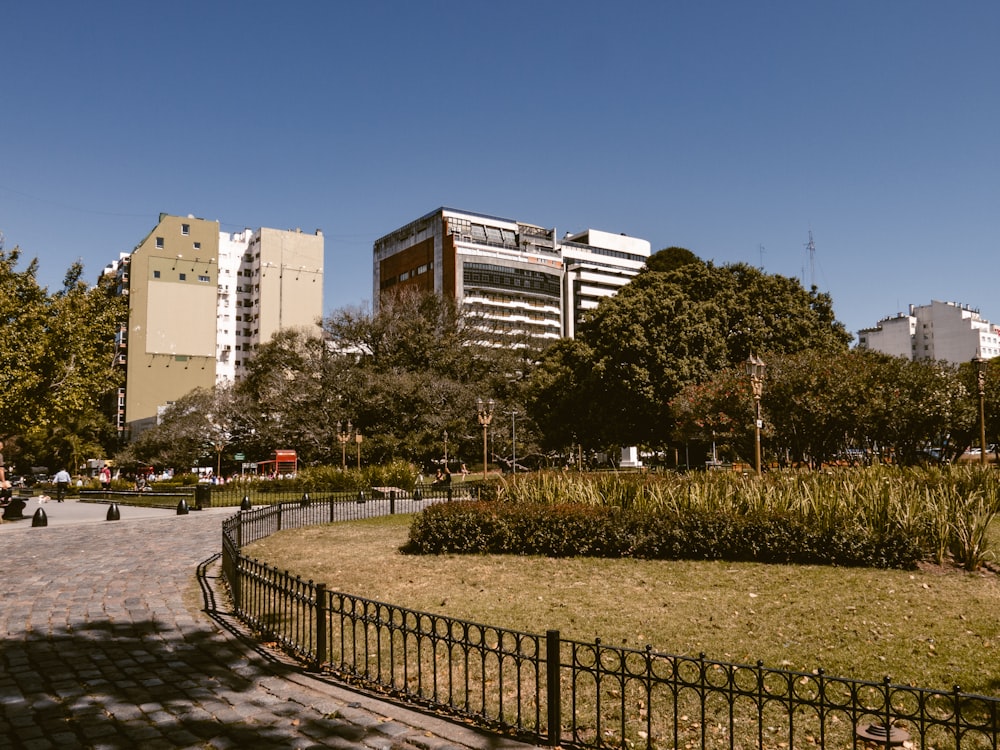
x,y
185,229
159,243
205,278
183,276
156,274
197,246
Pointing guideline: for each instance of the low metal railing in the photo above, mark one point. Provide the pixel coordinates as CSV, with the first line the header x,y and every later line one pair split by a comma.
x,y
573,693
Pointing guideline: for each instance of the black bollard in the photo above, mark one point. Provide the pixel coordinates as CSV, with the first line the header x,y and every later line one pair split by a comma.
x,y
245,505
304,502
182,507
113,513
39,519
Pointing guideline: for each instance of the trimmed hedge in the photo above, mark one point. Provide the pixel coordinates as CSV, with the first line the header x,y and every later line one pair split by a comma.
x,y
577,530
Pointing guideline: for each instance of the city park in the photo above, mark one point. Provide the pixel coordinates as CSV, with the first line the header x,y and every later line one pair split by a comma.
x,y
851,532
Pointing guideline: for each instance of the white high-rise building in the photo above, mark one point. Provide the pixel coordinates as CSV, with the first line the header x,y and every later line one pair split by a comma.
x,y
939,331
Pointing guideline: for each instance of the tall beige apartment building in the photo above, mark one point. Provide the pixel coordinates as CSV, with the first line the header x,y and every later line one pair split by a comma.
x,y
201,302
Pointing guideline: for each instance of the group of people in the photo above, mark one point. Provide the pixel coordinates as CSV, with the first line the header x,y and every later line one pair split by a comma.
x,y
62,480
443,476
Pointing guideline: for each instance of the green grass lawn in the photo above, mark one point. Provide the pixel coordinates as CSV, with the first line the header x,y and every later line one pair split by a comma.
x,y
932,628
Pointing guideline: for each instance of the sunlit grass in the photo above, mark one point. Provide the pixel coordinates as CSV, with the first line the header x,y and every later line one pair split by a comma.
x,y
935,627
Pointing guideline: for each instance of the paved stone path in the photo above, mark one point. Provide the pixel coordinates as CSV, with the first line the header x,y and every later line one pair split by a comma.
x,y
110,639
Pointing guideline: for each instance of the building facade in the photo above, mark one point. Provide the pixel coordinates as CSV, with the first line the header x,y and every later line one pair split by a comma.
x,y
939,331
201,302
520,279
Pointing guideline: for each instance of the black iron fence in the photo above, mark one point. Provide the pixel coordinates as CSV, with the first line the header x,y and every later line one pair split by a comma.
x,y
571,693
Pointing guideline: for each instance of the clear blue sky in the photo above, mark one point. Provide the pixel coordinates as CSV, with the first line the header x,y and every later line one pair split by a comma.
x,y
730,128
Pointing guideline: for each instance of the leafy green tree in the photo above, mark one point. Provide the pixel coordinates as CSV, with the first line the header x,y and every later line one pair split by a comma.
x,y
668,329
818,405
718,410
670,259
812,403
56,365
917,404
561,397
186,435
403,376
415,370
23,328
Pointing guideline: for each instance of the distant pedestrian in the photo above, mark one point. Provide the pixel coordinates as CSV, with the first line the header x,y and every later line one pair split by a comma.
x,y
62,479
105,476
5,491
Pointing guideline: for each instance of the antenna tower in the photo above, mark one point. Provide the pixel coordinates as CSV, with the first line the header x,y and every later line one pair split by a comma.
x,y
811,247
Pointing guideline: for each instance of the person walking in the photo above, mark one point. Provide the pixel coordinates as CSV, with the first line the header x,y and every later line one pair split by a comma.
x,y
105,475
62,479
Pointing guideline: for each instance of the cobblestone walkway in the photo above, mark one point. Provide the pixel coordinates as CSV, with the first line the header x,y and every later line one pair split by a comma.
x,y
106,643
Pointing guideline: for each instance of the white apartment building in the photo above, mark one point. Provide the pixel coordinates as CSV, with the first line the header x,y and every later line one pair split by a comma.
x,y
268,279
939,331
597,265
519,277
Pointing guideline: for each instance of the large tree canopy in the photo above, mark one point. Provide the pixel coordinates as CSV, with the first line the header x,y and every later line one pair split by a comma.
x,y
56,365
405,377
821,406
677,323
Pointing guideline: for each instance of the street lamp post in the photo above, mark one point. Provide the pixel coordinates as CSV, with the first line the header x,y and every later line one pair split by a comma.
x,y
219,446
755,370
446,449
981,384
343,438
484,412
358,439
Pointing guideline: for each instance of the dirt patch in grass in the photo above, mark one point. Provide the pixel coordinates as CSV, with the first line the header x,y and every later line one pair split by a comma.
x,y
935,627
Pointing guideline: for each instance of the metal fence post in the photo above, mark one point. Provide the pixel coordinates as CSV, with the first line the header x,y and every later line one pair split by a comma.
x,y
321,610
553,694
392,502
237,583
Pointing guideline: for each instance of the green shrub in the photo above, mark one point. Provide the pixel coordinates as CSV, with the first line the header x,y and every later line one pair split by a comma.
x,y
401,474
574,529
